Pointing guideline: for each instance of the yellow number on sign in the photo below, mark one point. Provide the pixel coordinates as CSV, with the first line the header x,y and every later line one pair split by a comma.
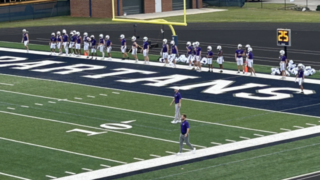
x,y
283,36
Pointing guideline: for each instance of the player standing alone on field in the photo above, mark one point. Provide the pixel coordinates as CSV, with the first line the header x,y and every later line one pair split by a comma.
x,y
164,51
146,50
134,49
300,77
239,58
220,58
25,39
209,58
123,47
52,43
177,100
184,136
283,64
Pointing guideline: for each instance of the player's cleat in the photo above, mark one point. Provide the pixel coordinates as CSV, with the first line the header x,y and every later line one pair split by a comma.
x,y
87,57
145,62
302,92
221,71
96,58
148,62
165,64
193,68
194,150
238,72
209,70
174,121
123,58
179,153
137,61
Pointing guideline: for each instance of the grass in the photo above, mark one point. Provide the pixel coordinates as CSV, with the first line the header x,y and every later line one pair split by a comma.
x,y
251,12
115,54
111,145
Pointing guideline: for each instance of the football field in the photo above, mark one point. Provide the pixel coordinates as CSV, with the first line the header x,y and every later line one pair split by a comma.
x,y
55,125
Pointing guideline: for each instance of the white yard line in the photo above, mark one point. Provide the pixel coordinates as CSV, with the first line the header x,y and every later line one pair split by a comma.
x,y
311,124
139,159
169,152
259,135
136,92
86,169
6,84
115,92
9,175
61,150
153,155
103,95
285,129
52,102
299,127
11,108
229,140
25,106
37,104
141,112
91,96
105,166
77,98
216,143
52,177
120,132
216,150
68,172
244,137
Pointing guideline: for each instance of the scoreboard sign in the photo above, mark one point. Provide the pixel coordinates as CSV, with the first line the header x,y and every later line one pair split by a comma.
x,y
284,37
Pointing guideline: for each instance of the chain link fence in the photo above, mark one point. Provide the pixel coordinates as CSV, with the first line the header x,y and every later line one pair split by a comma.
x,y
34,11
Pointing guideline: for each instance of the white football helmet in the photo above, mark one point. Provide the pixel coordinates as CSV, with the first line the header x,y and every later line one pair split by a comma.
x,y
78,33
188,43
248,46
249,49
58,33
282,52
209,48
85,34
239,46
145,39
101,35
71,33
24,30
64,31
219,47
172,43
52,34
165,41
197,44
92,36
133,38
74,31
107,37
89,39
194,44
313,71
122,36
291,61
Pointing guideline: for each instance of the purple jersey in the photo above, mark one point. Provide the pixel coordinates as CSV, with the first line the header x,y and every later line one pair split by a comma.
x,y
165,48
250,55
210,54
239,53
123,42
93,42
198,51
283,58
79,39
189,50
59,38
85,38
65,38
220,53
25,38
53,39
174,49
108,42
300,73
145,45
101,41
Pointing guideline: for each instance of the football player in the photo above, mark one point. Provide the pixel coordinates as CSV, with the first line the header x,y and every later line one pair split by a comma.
x,y
174,53
283,63
164,51
300,77
65,40
108,46
209,58
250,61
25,39
146,48
52,43
189,52
220,58
72,42
134,48
78,44
123,47
93,47
86,44
101,45
239,58
59,39
198,55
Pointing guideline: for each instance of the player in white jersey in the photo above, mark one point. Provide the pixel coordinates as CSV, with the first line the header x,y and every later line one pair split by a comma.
x,y
134,48
174,53
189,53
78,44
220,58
52,43
209,58
101,45
86,44
59,42
164,51
123,47
25,38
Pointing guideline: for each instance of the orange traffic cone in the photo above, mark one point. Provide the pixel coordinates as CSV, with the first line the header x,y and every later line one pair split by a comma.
x,y
85,53
246,67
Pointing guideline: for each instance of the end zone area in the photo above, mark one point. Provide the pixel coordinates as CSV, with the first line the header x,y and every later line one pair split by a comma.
x,y
66,122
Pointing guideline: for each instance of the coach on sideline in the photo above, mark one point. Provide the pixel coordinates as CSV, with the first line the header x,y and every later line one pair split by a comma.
x,y
177,101
184,136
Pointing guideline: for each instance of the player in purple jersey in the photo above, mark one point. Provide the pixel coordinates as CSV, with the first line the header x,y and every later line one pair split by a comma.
x,y
52,44
220,58
198,55
108,46
86,44
300,77
146,50
123,47
59,42
189,53
78,44
239,58
93,45
72,43
25,39
283,63
209,58
134,48
101,45
164,51
174,53
250,61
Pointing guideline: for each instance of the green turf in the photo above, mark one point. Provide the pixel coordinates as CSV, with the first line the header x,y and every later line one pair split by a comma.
x,y
121,145
227,65
251,12
277,162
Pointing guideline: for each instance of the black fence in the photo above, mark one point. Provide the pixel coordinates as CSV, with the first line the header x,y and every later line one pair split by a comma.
x,y
34,11
219,3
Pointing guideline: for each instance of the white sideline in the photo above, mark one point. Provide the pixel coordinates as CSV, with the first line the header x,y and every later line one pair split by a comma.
x,y
61,150
80,125
301,175
17,177
141,112
152,163
6,84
